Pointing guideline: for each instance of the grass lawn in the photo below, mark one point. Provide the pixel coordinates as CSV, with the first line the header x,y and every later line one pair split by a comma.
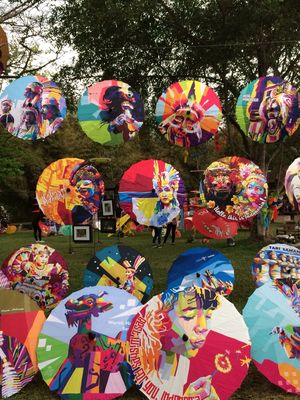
x,y
255,386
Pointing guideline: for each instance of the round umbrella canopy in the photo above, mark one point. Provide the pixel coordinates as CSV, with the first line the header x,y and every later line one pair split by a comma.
x,y
69,191
39,271
4,52
82,347
189,343
21,321
292,183
272,316
212,226
32,107
268,109
202,267
110,112
151,192
276,261
188,113
4,282
234,188
122,267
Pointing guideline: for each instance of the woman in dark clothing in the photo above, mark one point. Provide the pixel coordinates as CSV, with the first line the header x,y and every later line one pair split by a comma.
x,y
37,216
171,227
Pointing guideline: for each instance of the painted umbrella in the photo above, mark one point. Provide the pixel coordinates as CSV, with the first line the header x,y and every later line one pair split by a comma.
x,y
111,112
32,107
82,347
276,261
122,267
20,321
39,271
4,282
272,315
212,226
202,267
151,192
188,343
188,113
292,183
69,191
268,109
4,51
234,188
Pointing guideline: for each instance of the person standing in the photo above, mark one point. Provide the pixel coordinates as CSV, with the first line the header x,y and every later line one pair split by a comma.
x,y
157,236
37,216
171,228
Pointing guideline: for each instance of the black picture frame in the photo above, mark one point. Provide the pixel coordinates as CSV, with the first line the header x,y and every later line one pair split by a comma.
x,y
82,233
107,208
108,225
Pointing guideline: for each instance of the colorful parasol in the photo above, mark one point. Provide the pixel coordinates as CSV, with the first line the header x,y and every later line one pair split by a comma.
x,y
212,226
151,192
234,188
272,315
268,109
4,282
69,191
110,112
292,183
122,267
20,323
82,347
276,261
202,267
4,51
188,344
39,271
188,113
32,107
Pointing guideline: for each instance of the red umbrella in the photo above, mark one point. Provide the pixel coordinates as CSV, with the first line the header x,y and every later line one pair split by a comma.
x,y
212,226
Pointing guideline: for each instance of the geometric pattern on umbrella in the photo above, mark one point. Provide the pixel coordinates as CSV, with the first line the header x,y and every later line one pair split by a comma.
x,y
292,183
4,51
212,226
151,192
82,347
110,112
268,109
40,272
69,191
202,267
4,282
188,113
234,188
188,343
122,267
33,107
272,315
276,261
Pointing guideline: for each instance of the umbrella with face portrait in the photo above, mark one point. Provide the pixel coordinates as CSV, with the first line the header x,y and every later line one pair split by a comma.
x,y
234,188
4,51
272,315
111,112
188,113
82,347
276,261
40,272
20,323
292,183
151,192
202,267
32,107
122,267
69,191
268,109
188,343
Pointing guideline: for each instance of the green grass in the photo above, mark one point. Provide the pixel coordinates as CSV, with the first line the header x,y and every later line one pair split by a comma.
x,y
255,386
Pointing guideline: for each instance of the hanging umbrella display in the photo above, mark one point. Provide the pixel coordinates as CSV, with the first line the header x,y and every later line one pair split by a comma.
x,y
276,261
111,112
268,109
188,343
4,51
122,267
212,226
82,347
39,271
202,267
272,316
151,192
188,113
32,107
234,188
69,191
292,183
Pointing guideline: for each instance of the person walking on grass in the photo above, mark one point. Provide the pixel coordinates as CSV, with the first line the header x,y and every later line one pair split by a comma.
x,y
171,228
37,216
157,236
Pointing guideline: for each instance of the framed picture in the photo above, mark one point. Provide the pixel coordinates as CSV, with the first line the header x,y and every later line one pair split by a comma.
x,y
108,208
108,225
82,233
